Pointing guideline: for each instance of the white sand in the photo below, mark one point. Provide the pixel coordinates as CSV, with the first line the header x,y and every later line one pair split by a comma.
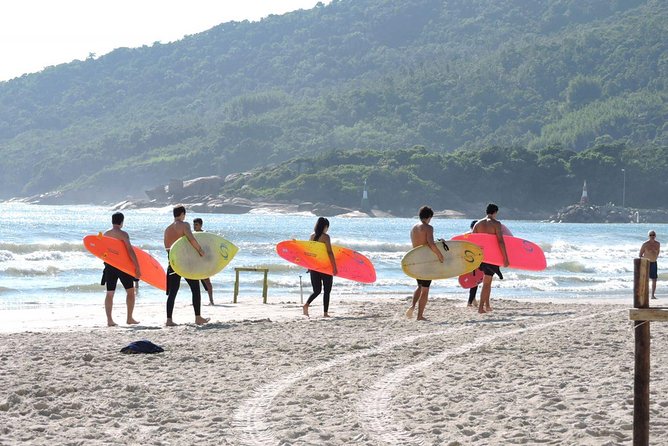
x,y
529,373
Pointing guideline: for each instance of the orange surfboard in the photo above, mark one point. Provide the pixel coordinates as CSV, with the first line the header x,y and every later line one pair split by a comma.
x,y
313,255
114,252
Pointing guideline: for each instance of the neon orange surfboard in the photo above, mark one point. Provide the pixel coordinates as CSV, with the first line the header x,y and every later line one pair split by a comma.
x,y
522,254
114,252
313,255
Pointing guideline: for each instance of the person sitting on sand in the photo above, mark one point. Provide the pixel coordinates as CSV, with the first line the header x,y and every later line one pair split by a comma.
x,y
650,251
490,225
423,234
206,283
112,275
173,232
321,280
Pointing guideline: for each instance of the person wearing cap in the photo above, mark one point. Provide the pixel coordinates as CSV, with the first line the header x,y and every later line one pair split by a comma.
x,y
650,251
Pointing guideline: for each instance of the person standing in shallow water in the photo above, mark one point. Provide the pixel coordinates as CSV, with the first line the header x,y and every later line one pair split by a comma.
x,y
173,232
319,280
423,234
112,275
650,251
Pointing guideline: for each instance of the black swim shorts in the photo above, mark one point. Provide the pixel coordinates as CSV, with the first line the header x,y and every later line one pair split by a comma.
x,y
112,275
653,270
490,270
424,283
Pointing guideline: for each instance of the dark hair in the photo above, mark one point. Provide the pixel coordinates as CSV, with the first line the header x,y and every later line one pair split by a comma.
x,y
320,226
491,208
117,218
198,221
178,210
473,223
425,213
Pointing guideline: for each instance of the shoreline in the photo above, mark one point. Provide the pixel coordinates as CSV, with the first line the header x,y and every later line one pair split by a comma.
x,y
528,373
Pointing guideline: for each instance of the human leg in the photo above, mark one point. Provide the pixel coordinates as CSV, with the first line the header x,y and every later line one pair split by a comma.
x,y
173,284
206,283
197,301
472,293
327,282
485,293
108,305
422,302
316,283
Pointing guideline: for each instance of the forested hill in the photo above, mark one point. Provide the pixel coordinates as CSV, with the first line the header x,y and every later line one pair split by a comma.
x,y
369,74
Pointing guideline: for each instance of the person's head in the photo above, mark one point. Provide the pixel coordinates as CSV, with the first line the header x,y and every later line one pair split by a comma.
x,y
321,227
425,213
473,222
179,210
651,234
197,224
492,209
117,218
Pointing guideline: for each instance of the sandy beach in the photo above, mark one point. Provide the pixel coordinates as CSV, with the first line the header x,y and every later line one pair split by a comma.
x,y
529,373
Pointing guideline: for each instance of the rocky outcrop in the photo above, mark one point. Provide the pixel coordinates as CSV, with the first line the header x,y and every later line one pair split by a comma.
x,y
578,213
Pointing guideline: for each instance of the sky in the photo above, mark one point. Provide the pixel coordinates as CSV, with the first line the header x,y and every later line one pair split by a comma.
x,y
35,34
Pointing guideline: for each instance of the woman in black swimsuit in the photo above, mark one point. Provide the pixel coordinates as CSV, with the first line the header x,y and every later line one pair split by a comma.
x,y
321,280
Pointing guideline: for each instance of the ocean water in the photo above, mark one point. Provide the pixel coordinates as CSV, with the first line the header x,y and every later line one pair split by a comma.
x,y
43,261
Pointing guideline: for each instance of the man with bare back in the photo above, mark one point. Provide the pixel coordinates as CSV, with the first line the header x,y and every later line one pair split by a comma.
x,y
173,232
423,234
490,225
650,251
112,275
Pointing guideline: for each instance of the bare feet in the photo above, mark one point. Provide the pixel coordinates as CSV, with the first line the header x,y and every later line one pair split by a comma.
x,y
409,312
305,309
211,302
326,315
131,321
199,320
170,323
422,319
481,311
111,323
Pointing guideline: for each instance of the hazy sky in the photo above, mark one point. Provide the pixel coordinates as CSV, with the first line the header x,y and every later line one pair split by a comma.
x,y
35,34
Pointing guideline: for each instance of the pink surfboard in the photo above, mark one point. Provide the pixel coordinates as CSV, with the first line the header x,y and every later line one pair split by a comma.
x,y
471,279
522,254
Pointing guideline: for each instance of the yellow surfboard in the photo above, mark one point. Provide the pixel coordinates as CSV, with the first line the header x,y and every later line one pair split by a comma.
x,y
187,262
459,258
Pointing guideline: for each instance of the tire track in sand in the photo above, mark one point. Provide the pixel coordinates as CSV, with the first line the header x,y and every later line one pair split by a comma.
x,y
249,418
373,408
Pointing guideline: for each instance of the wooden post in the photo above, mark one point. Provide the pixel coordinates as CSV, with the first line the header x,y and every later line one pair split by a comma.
x,y
642,355
236,285
264,287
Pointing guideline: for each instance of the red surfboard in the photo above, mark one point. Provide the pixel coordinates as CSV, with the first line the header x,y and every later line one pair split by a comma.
x,y
522,254
114,252
313,255
472,279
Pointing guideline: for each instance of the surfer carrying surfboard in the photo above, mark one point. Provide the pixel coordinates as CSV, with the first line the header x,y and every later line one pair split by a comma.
x,y
423,234
321,280
173,232
490,225
112,275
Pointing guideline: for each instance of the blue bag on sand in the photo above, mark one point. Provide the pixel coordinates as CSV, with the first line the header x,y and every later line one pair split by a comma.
x,y
142,347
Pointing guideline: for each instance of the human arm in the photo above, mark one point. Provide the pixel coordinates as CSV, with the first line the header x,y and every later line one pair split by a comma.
x,y
432,245
330,252
133,256
193,241
502,244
